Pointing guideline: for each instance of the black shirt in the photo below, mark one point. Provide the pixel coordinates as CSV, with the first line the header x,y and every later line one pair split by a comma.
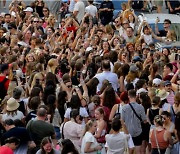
x,y
162,33
19,132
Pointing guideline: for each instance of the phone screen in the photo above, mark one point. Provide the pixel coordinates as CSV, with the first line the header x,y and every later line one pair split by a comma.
x,y
176,56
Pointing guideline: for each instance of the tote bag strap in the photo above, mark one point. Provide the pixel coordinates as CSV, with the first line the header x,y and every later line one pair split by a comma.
x,y
157,141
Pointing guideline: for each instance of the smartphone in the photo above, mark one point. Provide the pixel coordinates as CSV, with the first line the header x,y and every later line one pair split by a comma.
x,y
116,32
78,74
176,57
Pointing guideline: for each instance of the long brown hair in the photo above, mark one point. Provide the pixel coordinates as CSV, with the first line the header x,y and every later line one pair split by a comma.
x,y
43,143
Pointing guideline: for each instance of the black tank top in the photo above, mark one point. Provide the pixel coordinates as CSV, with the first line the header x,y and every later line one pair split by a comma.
x,y
152,114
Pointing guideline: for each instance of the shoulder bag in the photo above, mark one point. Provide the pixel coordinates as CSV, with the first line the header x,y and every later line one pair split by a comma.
x,y
145,126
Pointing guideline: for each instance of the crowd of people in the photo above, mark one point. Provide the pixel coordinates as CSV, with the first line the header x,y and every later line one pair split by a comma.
x,y
91,84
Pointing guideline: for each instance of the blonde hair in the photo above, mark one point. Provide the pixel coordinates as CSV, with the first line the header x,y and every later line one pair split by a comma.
x,y
89,125
36,76
131,76
52,65
11,87
49,20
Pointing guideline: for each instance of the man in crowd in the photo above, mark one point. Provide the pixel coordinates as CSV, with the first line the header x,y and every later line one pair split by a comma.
x,y
130,119
39,128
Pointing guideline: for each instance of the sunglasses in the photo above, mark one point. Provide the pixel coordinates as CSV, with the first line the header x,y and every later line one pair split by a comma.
x,y
35,21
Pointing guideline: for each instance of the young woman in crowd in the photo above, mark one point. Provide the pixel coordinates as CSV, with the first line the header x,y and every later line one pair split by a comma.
x,y
159,137
89,142
47,147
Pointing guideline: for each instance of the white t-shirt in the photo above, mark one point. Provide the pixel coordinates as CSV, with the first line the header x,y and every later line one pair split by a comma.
x,y
147,38
92,10
82,111
107,75
133,82
71,5
88,137
116,143
19,116
79,6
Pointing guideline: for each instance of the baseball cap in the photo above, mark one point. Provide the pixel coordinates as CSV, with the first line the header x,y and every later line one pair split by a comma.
x,y
157,81
136,59
28,9
133,68
167,82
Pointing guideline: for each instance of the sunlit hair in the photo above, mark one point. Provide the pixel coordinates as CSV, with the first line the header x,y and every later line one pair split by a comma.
x,y
89,125
39,76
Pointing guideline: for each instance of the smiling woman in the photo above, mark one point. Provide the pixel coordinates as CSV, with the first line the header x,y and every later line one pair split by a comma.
x,y
46,147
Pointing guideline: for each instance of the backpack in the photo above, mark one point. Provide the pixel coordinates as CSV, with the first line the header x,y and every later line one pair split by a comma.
x,y
118,114
3,89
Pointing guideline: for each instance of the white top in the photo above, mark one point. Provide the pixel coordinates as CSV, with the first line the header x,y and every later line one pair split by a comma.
x,y
88,137
92,10
19,116
73,131
116,143
147,38
107,75
79,6
133,82
71,5
82,111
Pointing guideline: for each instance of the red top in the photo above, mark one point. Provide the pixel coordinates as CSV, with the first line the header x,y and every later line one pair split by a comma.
x,y
6,83
160,139
6,150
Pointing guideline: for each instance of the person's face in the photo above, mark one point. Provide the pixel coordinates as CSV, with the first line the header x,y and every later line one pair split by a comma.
x,y
48,147
131,48
124,56
97,115
99,33
1,33
96,39
116,41
166,70
125,24
49,31
7,19
146,31
166,25
62,23
28,34
69,85
30,58
40,22
94,127
168,88
36,22
105,46
13,146
165,118
129,32
131,17
165,52
117,22
45,12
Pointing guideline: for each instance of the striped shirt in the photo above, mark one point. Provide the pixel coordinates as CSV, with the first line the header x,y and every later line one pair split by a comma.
x,y
133,124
